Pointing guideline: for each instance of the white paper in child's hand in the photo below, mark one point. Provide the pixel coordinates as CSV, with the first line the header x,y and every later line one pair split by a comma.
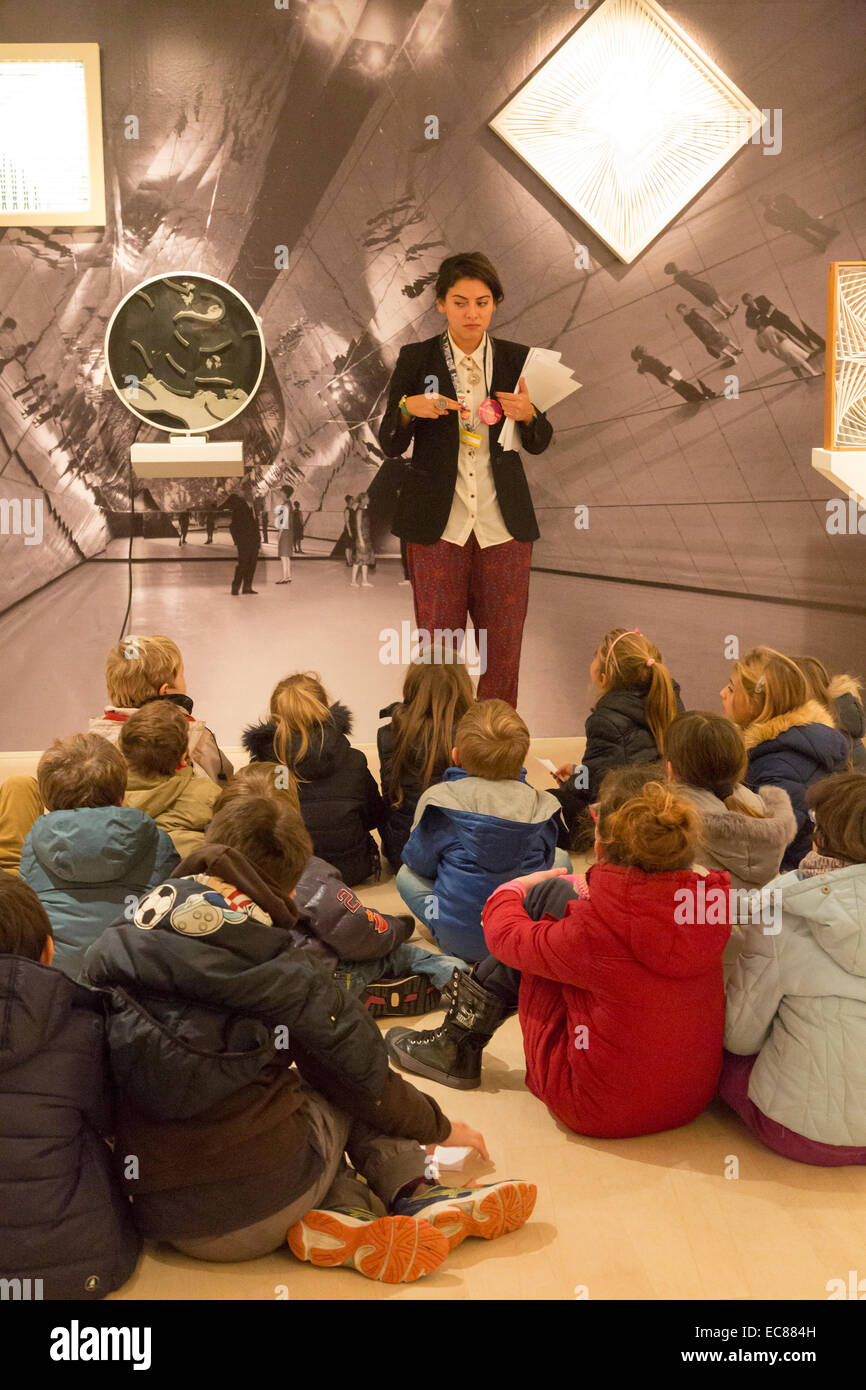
x,y
452,1157
546,762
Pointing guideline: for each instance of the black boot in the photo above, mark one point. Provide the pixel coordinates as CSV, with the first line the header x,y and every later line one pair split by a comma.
x,y
451,1054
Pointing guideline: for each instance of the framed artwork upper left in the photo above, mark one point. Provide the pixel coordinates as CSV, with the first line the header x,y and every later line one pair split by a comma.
x,y
51,167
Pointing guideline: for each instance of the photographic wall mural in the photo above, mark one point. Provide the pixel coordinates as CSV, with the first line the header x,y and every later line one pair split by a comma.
x,y
323,159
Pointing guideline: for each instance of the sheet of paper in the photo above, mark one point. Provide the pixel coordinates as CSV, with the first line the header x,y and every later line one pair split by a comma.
x,y
546,762
548,380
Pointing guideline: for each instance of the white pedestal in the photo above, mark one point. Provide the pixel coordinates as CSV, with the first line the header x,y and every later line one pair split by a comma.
x,y
846,468
188,456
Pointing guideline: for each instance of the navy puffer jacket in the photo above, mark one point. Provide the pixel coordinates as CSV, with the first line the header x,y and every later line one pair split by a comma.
x,y
63,1218
793,751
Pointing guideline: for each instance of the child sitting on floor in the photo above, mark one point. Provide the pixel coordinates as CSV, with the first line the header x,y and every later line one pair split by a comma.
x,y
244,1072
340,802
795,1031
415,745
139,669
620,995
368,952
65,1228
90,856
481,825
155,743
638,701
842,697
791,739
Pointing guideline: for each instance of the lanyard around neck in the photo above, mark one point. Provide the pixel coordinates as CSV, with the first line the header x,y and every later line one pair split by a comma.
x,y
448,353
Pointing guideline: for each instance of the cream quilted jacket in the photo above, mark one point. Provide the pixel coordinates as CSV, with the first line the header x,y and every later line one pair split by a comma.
x,y
798,999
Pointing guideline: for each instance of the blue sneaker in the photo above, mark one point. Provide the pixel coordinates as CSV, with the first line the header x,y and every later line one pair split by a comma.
x,y
488,1210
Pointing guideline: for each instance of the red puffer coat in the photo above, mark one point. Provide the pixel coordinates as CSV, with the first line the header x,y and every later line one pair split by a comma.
x,y
622,1003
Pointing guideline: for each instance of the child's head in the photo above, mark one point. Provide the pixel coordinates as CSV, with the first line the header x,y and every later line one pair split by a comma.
x,y
706,750
817,677
24,926
154,741
436,695
656,830
299,705
764,684
626,660
83,770
838,804
260,779
491,741
269,833
138,669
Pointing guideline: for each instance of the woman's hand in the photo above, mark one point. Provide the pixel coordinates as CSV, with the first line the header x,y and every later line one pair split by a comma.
x,y
462,1137
516,405
424,406
563,773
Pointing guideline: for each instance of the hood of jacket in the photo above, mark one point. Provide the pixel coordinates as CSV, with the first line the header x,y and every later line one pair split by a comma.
x,y
750,847
491,819
324,754
845,693
93,844
809,729
156,795
667,920
833,906
35,1002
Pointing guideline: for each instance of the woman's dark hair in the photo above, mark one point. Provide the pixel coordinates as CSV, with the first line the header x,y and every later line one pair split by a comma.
x,y
468,265
706,750
24,924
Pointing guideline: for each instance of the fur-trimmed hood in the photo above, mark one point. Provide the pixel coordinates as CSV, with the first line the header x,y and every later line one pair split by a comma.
x,y
749,847
323,755
764,731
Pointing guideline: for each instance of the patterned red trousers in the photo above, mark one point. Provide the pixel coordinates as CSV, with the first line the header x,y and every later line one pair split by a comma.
x,y
491,586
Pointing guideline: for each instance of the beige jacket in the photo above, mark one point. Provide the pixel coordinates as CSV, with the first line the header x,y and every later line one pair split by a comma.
x,y
182,804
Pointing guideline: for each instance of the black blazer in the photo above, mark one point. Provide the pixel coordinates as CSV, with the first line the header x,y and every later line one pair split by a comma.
x,y
427,491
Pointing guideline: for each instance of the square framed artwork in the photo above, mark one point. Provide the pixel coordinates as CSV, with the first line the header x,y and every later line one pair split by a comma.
x,y
51,165
845,400
627,122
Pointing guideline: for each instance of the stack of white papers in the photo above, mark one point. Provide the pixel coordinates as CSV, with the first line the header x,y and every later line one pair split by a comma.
x,y
548,380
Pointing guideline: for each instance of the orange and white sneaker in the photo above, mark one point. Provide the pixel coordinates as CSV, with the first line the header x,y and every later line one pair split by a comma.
x,y
488,1210
395,1249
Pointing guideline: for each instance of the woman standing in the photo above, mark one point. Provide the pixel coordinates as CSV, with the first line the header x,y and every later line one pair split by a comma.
x,y
362,545
285,543
464,508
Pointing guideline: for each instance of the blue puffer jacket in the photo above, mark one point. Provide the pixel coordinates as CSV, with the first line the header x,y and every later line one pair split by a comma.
x,y
469,836
85,864
63,1219
793,751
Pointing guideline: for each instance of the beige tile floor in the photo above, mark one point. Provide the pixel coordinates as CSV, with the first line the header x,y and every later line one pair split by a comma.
x,y
651,1218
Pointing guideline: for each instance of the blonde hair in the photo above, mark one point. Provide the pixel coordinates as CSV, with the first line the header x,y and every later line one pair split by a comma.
x,y
773,682
657,831
299,705
631,661
81,770
492,741
136,667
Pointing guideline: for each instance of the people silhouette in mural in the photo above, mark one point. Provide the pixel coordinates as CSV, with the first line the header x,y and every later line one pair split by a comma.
x,y
363,554
297,521
794,355
780,210
349,525
244,530
284,530
761,310
701,290
717,343
183,527
464,507
669,376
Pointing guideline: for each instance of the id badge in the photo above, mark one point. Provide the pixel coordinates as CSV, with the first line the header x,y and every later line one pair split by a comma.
x,y
467,437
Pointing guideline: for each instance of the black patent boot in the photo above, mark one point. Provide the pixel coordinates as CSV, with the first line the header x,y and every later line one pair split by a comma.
x,y
451,1054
